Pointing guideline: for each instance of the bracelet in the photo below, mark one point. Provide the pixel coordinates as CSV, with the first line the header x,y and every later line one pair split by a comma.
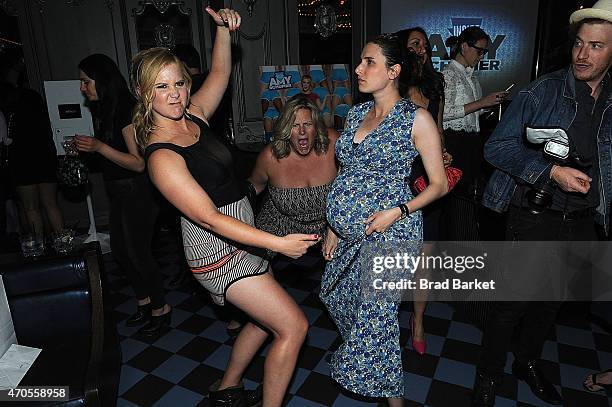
x,y
552,171
404,209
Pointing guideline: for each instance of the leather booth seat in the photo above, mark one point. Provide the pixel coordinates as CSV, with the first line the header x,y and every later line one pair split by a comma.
x,y
57,304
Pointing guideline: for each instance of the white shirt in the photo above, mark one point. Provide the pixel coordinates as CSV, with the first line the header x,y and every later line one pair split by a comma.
x,y
461,87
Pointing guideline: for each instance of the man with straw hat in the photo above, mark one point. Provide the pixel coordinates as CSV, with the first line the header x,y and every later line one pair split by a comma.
x,y
578,100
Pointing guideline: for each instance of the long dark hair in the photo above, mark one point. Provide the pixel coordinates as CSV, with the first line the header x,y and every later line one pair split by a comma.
x,y
470,36
111,88
426,79
396,53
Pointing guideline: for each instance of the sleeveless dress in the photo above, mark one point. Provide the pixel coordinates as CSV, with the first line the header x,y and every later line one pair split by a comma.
x,y
373,177
215,261
293,210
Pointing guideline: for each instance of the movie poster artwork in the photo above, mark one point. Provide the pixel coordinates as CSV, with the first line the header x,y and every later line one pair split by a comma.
x,y
328,86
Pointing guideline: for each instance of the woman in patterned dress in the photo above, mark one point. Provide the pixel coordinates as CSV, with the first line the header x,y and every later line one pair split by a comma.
x,y
370,202
193,169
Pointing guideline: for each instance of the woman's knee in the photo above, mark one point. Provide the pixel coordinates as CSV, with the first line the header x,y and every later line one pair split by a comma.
x,y
295,328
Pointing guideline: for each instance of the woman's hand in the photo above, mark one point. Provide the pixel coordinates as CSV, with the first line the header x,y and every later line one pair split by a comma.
x,y
447,158
295,245
87,143
329,245
380,221
225,17
493,99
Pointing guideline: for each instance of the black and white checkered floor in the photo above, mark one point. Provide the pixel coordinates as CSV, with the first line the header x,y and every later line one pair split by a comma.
x,y
177,368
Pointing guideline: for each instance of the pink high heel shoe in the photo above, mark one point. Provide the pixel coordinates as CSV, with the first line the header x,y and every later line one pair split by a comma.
x,y
419,346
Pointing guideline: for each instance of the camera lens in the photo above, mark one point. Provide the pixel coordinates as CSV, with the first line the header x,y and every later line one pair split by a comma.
x,y
539,200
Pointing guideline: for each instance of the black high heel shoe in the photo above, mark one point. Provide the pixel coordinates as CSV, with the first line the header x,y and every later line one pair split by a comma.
x,y
156,324
142,315
235,396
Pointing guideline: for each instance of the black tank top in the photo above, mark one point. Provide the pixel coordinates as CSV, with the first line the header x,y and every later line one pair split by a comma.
x,y
210,162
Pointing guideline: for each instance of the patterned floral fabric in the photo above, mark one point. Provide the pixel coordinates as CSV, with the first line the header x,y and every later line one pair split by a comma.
x,y
373,177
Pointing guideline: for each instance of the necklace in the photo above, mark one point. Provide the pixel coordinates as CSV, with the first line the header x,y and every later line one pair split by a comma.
x,y
173,133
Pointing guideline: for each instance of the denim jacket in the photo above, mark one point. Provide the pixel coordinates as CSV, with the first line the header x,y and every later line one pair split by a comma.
x,y
549,101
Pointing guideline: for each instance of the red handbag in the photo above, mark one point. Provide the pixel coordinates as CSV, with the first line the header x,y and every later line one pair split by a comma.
x,y
453,175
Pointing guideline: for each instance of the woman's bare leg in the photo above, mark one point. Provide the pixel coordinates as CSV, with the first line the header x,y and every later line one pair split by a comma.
x,y
264,300
48,197
420,297
28,195
395,402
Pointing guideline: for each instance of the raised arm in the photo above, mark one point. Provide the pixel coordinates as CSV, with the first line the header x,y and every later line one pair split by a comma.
x,y
170,175
206,100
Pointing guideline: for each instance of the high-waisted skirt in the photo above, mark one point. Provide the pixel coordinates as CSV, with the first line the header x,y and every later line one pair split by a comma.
x,y
217,262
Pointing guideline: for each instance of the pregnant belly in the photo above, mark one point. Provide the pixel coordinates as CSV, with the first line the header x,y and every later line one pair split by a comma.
x,y
349,207
353,197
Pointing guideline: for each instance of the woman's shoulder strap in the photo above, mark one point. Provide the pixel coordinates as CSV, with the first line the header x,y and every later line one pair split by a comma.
x,y
151,148
197,120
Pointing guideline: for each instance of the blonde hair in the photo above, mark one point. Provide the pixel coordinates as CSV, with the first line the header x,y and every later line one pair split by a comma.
x,y
146,65
281,146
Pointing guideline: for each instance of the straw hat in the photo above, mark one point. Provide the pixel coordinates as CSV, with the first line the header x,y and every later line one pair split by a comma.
x,y
602,10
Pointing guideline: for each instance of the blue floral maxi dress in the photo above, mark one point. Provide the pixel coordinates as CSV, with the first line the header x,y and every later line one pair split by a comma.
x,y
373,177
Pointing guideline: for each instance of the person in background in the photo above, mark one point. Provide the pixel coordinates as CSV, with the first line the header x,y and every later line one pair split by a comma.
x,y
305,90
193,169
577,100
133,206
32,158
298,168
426,90
369,204
463,105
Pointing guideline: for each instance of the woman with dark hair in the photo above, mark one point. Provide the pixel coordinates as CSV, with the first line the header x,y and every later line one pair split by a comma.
x,y
426,90
370,206
425,85
134,208
463,104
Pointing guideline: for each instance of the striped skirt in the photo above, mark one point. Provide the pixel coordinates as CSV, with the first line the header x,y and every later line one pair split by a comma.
x,y
217,262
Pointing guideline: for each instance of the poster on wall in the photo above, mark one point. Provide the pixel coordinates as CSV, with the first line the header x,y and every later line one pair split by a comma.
x,y
327,86
67,111
510,24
